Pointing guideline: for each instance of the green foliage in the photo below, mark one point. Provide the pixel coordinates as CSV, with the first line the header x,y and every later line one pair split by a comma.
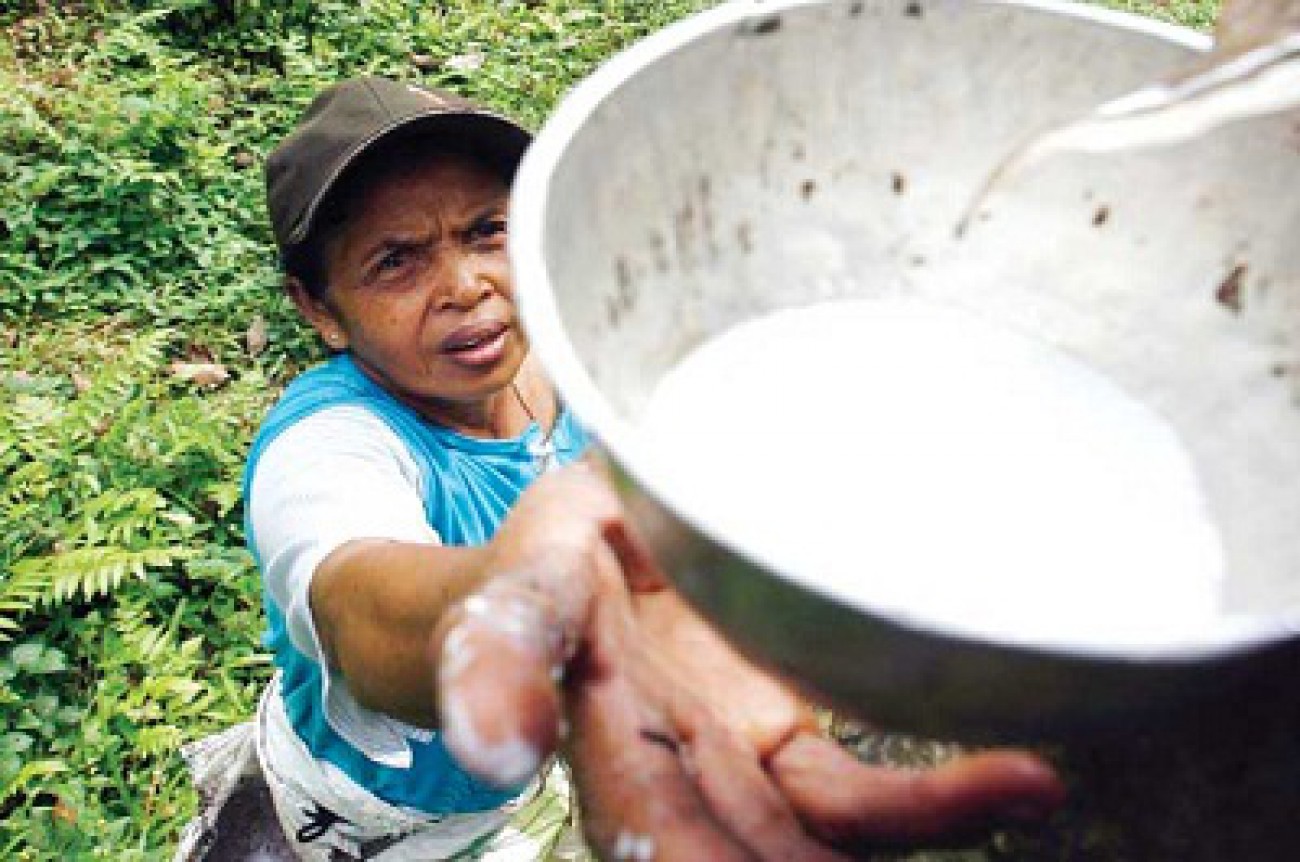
x,y
1189,13
132,237
134,183
80,509
129,608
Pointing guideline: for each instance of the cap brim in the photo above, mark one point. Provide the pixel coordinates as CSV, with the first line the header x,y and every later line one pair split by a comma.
x,y
500,142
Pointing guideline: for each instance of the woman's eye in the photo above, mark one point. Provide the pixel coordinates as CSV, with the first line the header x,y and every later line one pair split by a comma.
x,y
392,260
397,263
488,229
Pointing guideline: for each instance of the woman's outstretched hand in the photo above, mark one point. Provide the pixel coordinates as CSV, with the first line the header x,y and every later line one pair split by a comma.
x,y
680,748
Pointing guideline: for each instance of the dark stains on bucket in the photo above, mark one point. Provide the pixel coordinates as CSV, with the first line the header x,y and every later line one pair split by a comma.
x,y
745,236
623,272
962,227
897,183
694,229
1101,216
1230,290
623,278
659,251
765,26
684,236
704,192
624,298
913,9
807,189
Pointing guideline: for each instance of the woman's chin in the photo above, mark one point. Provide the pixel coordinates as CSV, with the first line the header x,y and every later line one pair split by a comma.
x,y
456,382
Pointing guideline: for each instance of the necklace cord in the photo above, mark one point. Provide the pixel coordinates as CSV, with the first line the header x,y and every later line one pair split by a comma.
x,y
532,417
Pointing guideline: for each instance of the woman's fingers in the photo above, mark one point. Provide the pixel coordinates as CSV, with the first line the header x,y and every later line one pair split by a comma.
x,y
498,656
849,803
501,652
638,800
656,768
742,796
640,573
739,696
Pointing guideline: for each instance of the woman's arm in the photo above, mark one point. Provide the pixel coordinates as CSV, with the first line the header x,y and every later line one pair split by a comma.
x,y
376,604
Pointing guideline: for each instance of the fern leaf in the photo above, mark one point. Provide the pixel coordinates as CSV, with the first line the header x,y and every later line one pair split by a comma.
x,y
159,739
31,770
113,387
58,578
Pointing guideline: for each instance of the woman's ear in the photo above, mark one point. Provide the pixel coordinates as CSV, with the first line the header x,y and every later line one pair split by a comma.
x,y
318,313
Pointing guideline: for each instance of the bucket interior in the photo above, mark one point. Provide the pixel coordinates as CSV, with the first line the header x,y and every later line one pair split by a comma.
x,y
802,153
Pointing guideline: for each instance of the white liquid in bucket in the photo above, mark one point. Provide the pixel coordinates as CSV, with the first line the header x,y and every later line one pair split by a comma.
x,y
906,457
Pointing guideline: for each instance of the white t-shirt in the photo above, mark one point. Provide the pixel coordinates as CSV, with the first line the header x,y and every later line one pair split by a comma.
x,y
336,476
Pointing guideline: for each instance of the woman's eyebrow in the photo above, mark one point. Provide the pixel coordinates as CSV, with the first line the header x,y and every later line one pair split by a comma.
x,y
397,242
496,209
487,217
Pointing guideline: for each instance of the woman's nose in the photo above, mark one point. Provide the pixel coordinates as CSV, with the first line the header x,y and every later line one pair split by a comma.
x,y
463,284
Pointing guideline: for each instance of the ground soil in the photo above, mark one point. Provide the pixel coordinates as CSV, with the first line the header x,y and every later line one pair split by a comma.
x,y
1216,783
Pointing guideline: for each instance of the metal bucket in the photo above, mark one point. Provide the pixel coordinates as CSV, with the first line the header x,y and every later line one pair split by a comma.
x,y
772,154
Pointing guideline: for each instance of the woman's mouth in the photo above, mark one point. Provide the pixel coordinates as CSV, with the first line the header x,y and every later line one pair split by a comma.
x,y
476,344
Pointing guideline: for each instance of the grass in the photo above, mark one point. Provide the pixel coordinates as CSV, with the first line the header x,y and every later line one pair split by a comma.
x,y
132,238
1190,13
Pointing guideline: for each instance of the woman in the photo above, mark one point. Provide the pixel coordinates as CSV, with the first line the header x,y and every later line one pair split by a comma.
x,y
426,585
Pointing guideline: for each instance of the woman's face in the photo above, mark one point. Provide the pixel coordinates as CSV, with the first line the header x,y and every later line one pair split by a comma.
x,y
419,286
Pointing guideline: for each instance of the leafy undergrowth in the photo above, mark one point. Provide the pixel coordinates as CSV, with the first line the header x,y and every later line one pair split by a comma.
x,y
141,338
1190,13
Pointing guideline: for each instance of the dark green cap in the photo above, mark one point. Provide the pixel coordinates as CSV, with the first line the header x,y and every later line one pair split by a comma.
x,y
348,119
